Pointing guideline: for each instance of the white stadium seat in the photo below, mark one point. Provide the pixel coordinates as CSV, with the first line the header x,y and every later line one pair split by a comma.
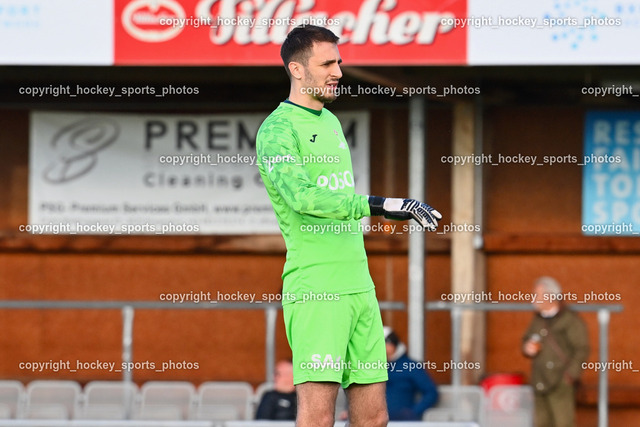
x,y
11,398
108,400
166,400
52,399
457,403
216,398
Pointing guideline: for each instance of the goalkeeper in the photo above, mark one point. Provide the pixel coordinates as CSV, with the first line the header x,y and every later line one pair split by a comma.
x,y
331,314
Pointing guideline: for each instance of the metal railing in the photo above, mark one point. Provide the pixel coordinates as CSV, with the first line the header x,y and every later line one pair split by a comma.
x,y
128,313
271,311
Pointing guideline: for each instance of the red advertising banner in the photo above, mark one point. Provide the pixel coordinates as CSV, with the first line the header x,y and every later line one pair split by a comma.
x,y
250,32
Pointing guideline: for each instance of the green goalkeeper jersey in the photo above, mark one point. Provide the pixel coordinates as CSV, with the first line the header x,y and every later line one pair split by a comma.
x,y
305,164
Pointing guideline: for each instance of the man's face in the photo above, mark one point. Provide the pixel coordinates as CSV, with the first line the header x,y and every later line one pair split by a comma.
x,y
543,302
283,378
390,349
322,72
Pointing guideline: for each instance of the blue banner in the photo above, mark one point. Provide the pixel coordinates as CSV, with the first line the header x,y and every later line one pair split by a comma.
x,y
611,174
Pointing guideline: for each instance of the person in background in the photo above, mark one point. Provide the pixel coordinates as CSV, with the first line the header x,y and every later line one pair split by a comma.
x,y
279,403
410,392
557,344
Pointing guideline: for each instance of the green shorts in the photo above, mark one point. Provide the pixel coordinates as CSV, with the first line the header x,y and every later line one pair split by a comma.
x,y
339,340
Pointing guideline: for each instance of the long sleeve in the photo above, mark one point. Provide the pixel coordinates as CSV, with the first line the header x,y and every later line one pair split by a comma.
x,y
579,342
428,389
531,330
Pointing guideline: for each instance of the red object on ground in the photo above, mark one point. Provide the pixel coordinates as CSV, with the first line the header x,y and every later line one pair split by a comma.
x,y
501,379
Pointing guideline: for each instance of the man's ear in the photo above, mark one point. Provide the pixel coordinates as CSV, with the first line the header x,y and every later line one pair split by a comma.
x,y
296,70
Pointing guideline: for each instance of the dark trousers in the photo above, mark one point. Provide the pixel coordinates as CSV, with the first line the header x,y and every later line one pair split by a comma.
x,y
556,409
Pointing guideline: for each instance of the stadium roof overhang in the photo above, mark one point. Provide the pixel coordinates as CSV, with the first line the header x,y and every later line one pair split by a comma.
x,y
237,88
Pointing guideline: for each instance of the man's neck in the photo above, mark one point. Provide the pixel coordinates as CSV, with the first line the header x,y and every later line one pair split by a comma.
x,y
297,97
550,312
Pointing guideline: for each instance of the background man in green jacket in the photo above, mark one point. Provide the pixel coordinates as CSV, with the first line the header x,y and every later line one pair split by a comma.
x,y
557,344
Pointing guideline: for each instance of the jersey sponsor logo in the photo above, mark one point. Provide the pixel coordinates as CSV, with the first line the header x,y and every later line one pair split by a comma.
x,y
336,181
313,137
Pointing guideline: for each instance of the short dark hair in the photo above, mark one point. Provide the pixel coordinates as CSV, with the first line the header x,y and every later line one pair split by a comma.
x,y
299,43
393,339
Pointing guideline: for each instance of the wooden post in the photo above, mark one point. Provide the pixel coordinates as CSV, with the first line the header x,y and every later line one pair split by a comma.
x,y
467,262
